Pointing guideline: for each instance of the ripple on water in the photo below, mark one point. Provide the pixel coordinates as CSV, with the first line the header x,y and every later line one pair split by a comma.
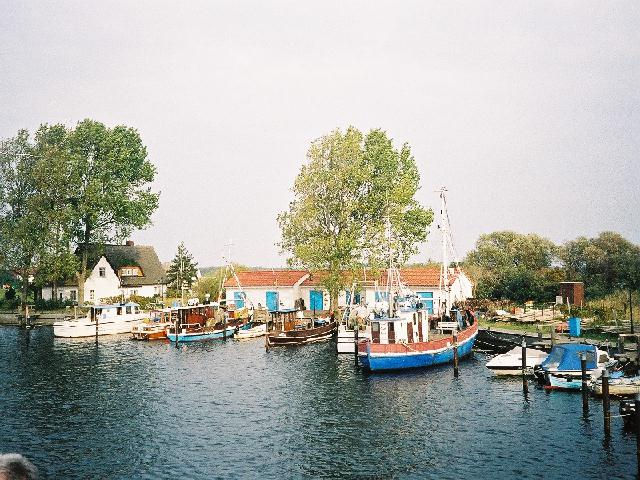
x,y
230,410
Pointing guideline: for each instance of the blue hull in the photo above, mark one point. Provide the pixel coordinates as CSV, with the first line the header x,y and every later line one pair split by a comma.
x,y
196,337
382,362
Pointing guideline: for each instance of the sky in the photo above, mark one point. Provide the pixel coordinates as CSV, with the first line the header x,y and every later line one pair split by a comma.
x,y
528,112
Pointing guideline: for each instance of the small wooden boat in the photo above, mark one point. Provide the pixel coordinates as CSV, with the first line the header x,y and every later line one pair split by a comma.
x,y
196,333
510,363
290,329
155,328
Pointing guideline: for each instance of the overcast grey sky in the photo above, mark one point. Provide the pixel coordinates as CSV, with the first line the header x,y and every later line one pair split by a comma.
x,y
527,111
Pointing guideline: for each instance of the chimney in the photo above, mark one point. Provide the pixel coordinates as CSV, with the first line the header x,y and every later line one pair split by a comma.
x,y
130,243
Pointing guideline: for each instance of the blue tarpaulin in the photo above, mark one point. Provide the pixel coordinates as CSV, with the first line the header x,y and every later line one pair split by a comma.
x,y
567,357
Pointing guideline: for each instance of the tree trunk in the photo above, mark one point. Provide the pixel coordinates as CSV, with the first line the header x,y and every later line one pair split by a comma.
x,y
25,288
333,302
83,269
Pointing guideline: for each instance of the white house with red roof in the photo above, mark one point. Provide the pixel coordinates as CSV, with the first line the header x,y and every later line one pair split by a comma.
x,y
277,289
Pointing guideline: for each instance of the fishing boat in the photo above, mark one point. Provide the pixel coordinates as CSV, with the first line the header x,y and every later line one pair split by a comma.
x,y
561,370
290,328
402,338
510,363
105,319
197,323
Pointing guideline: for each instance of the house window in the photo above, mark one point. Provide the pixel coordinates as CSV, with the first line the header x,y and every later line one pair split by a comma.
x,y
128,310
92,294
61,297
103,272
73,295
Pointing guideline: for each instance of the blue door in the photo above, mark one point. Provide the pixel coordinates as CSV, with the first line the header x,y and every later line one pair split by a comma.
x,y
238,299
315,302
356,299
272,301
427,299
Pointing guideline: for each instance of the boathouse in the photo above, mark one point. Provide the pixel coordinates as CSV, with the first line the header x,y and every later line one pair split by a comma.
x,y
283,288
275,289
116,270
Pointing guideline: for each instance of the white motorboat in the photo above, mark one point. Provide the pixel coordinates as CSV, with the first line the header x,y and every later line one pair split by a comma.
x,y
510,363
110,320
252,332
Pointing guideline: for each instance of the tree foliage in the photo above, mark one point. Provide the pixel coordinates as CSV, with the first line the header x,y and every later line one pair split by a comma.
x,y
182,271
509,265
345,194
604,263
66,190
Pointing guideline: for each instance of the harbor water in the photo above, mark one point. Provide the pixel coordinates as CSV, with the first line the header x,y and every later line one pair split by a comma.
x,y
229,409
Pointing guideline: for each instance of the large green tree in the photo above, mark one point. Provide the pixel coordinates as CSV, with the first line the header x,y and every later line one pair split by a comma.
x,y
22,232
111,193
350,192
604,263
510,265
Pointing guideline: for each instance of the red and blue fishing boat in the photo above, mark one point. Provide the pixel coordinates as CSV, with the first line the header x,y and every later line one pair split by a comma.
x,y
405,336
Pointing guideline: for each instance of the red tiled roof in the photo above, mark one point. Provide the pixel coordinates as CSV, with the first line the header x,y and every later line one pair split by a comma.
x,y
416,276
266,278
420,277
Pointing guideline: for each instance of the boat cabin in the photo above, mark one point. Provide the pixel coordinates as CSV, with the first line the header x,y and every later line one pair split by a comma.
x,y
105,312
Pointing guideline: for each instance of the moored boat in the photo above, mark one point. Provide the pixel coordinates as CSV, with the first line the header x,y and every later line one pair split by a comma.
x,y
155,328
290,329
620,386
197,323
106,319
251,331
402,337
561,370
510,363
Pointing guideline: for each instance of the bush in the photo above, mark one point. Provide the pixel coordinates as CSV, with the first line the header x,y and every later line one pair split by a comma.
x,y
52,304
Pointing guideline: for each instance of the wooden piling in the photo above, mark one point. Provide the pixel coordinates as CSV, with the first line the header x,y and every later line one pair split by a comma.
x,y
266,335
97,319
637,415
606,410
355,343
224,327
620,344
176,329
525,385
585,387
455,355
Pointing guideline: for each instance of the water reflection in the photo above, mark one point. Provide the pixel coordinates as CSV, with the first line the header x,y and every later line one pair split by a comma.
x,y
148,410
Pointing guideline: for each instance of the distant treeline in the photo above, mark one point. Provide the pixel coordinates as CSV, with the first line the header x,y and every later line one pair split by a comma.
x,y
513,266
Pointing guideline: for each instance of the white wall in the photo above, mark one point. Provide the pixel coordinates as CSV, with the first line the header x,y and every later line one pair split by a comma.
x,y
103,287
258,295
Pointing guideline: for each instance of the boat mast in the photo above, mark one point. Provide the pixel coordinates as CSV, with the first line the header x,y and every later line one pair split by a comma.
x,y
444,269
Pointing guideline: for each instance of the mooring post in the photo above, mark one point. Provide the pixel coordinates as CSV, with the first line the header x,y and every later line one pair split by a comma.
x,y
525,385
620,343
455,355
224,327
637,354
585,392
605,402
97,316
637,415
175,328
266,334
355,343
